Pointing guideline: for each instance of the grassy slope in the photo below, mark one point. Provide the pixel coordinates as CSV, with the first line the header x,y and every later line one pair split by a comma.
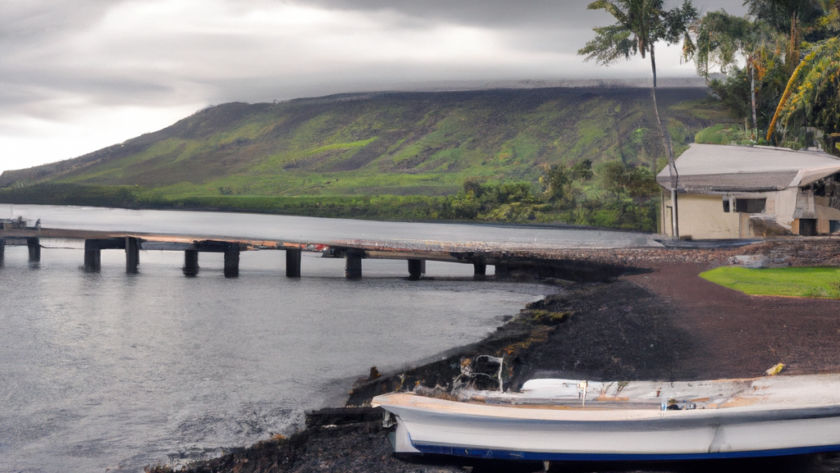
x,y
797,282
262,156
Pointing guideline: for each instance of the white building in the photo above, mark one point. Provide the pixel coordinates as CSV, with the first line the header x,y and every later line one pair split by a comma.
x,y
742,192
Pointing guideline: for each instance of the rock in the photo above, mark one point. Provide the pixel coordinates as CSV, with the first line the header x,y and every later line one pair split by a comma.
x,y
751,261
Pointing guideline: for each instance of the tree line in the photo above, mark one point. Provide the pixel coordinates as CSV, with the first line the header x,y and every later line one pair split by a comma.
x,y
780,63
781,66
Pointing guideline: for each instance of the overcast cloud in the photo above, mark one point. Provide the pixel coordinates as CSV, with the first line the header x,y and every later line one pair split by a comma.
x,y
79,75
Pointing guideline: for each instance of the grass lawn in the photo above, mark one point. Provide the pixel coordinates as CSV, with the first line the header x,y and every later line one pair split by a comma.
x,y
794,282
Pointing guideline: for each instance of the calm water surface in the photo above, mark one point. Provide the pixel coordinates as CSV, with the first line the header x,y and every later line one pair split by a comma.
x,y
116,371
320,230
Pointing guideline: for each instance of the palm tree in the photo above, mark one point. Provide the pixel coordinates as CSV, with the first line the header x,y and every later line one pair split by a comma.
x,y
722,37
813,16
813,90
789,17
640,25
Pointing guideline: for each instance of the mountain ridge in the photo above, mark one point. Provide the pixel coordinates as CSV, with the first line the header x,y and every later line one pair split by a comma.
x,y
496,118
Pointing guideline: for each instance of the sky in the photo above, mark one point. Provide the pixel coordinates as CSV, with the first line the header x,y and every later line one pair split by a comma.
x,y
79,75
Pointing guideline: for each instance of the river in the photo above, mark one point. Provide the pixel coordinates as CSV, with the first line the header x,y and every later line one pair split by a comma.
x,y
112,371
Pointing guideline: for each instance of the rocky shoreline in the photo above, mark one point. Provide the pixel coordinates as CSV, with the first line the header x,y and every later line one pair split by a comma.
x,y
657,320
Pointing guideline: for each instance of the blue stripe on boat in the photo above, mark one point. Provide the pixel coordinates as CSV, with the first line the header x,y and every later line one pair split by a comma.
x,y
544,456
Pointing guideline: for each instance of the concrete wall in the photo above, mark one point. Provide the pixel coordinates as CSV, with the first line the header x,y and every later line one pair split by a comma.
x,y
824,216
785,206
702,217
811,206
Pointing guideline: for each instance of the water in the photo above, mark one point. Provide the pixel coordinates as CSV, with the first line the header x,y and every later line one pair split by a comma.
x,y
116,371
320,230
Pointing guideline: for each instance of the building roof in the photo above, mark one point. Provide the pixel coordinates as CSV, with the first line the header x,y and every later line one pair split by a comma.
x,y
724,168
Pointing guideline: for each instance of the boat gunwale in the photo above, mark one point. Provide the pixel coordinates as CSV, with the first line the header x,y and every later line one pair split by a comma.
x,y
731,415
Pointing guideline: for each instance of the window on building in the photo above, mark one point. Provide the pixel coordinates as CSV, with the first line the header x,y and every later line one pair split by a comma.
x,y
726,204
751,206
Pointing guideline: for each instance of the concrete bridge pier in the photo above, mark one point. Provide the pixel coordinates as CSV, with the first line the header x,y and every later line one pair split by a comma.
x,y
232,260
34,244
2,250
479,269
502,271
353,265
190,263
293,262
94,247
132,255
416,269
93,256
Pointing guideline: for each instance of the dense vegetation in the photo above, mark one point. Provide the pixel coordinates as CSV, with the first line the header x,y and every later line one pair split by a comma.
x,y
789,88
581,156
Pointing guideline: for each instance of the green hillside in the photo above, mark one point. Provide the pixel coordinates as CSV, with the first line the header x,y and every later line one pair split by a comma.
x,y
312,155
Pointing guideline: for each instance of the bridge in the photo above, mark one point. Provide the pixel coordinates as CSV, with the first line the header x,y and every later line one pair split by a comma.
x,y
536,260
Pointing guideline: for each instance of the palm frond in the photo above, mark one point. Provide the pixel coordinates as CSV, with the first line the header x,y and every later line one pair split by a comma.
x,y
610,44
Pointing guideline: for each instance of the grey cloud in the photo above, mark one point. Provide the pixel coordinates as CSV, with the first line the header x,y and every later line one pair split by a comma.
x,y
495,13
27,21
33,20
536,25
507,13
34,66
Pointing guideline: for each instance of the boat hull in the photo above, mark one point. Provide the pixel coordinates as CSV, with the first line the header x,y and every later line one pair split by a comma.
x,y
433,426
608,457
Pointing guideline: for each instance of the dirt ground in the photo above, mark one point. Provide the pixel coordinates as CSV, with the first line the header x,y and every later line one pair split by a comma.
x,y
670,324
743,335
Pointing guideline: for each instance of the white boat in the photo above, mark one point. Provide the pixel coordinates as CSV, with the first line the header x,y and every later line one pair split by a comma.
x,y
568,420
